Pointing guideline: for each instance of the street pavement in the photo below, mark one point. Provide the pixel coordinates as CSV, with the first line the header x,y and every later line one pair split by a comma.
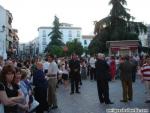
x,y
88,102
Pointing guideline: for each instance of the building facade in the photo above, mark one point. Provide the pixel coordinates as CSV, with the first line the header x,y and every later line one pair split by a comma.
x,y
7,34
69,33
145,37
86,39
24,51
3,33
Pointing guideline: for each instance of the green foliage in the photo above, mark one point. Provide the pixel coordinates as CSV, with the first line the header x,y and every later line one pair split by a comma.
x,y
56,50
74,47
86,50
118,25
55,36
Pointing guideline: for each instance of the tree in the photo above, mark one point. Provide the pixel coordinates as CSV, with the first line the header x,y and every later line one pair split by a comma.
x,y
119,25
55,36
57,50
74,47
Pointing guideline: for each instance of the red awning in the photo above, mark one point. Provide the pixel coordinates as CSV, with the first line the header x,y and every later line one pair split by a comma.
x,y
115,49
133,47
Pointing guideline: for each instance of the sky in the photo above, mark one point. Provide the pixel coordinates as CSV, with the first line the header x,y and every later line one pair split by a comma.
x,y
28,15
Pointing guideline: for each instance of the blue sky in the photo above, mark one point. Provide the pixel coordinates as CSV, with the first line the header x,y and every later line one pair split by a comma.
x,y
28,15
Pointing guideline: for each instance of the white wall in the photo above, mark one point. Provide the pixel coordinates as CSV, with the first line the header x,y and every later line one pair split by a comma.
x,y
143,39
65,35
87,42
2,33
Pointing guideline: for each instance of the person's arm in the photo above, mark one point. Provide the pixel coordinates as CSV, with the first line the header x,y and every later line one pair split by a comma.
x,y
5,100
23,106
19,98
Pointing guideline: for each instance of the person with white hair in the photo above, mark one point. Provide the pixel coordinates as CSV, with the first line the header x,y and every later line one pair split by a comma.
x,y
102,76
40,90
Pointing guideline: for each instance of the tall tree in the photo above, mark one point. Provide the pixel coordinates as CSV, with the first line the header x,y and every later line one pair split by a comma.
x,y
74,47
55,36
119,25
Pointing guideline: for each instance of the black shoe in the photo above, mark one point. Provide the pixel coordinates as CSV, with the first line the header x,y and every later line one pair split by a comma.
x,y
109,103
147,101
101,102
71,93
54,107
130,99
78,92
57,86
123,101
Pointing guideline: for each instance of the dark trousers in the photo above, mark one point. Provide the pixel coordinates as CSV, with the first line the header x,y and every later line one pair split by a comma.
x,y
92,74
103,91
133,76
127,89
40,94
75,84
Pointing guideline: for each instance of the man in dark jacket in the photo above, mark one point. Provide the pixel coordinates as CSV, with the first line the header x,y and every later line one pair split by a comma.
x,y
102,76
74,66
126,69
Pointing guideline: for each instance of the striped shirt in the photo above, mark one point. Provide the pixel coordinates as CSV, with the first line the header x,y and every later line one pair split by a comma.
x,y
145,70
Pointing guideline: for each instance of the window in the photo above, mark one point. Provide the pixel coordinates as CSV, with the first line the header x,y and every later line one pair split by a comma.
x,y
44,48
44,41
9,20
70,33
44,33
85,42
78,33
10,32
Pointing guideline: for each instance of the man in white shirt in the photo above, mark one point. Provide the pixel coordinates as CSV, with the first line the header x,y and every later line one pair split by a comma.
x,y
52,81
45,66
92,68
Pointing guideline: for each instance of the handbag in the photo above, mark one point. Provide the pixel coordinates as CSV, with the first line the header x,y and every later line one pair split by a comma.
x,y
33,105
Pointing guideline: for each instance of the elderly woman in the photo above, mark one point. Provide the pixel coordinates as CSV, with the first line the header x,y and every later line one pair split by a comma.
x,y
40,90
20,79
12,89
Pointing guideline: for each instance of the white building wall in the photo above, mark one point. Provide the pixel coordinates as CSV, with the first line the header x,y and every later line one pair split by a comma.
x,y
69,33
143,39
85,42
3,33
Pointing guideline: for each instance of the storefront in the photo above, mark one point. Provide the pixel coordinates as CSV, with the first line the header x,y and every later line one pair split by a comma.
x,y
124,47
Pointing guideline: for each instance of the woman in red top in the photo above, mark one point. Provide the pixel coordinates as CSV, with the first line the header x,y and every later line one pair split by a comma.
x,y
113,68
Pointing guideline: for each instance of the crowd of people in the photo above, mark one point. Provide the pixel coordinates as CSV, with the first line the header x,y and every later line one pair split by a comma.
x,y
23,82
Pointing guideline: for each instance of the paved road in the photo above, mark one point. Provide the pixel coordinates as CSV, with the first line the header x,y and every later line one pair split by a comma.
x,y
87,101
